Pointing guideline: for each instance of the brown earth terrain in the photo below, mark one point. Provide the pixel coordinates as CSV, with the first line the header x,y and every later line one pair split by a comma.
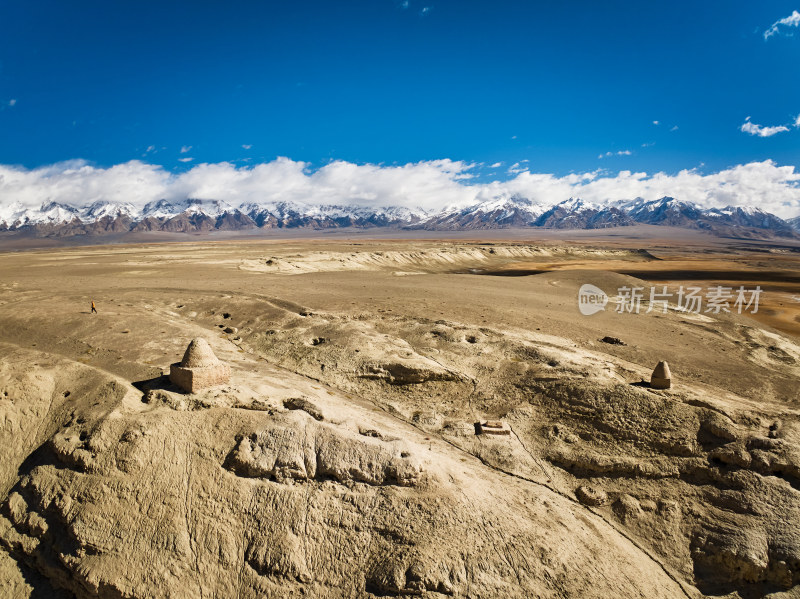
x,y
342,460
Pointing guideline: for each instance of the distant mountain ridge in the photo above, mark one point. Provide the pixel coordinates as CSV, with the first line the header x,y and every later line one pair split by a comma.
x,y
195,215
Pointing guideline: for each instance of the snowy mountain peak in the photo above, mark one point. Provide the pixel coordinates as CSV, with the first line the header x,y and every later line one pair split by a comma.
x,y
576,205
166,209
213,208
101,209
502,202
11,213
159,209
500,211
746,210
50,212
640,205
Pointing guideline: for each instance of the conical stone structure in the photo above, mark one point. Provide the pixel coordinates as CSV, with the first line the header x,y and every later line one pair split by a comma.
x,y
661,377
199,355
199,369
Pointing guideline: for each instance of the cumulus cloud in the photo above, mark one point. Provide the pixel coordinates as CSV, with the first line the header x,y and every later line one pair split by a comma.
x,y
186,159
76,183
499,164
656,123
793,20
185,149
247,146
620,153
753,129
432,185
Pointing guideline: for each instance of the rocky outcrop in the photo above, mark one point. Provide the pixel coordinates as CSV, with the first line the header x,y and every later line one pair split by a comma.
x,y
318,452
129,501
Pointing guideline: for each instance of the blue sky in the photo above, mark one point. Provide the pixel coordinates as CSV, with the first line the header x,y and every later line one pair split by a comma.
x,y
381,81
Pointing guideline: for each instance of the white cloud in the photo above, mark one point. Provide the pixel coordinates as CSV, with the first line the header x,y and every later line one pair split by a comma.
x,y
150,149
760,184
12,102
74,182
793,20
185,149
247,146
620,153
499,164
674,128
432,185
797,121
404,4
425,10
187,159
648,144
513,137
656,123
753,129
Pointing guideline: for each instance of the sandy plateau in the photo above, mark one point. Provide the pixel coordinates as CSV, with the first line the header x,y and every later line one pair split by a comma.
x,y
341,459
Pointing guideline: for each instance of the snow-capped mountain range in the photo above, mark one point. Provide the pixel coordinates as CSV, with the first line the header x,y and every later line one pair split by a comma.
x,y
191,215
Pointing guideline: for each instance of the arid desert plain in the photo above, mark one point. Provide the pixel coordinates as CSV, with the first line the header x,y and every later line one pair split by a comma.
x,y
341,458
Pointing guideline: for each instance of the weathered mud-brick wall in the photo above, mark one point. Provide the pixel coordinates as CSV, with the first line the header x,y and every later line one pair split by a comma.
x,y
194,379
